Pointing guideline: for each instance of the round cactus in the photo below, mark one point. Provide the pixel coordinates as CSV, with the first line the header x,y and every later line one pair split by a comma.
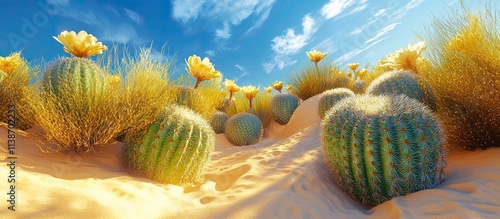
x,y
74,75
402,82
219,121
244,129
174,149
360,85
283,106
380,147
331,97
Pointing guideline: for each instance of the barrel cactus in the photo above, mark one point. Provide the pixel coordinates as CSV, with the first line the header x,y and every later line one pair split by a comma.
x,y
244,129
331,97
80,75
380,147
219,121
283,106
402,82
174,149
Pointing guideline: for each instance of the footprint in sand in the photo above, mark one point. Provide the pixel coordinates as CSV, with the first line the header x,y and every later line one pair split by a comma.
x,y
207,199
225,180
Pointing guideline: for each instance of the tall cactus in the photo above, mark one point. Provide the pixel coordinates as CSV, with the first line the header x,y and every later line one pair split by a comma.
x,y
330,97
174,149
283,106
402,82
380,147
244,129
218,122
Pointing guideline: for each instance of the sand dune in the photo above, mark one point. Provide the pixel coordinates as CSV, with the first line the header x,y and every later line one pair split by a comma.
x,y
284,176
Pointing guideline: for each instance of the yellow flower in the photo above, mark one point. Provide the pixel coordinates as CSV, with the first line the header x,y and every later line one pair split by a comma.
x,y
289,88
81,44
269,89
201,69
249,91
278,85
362,73
316,56
231,86
12,63
353,66
403,59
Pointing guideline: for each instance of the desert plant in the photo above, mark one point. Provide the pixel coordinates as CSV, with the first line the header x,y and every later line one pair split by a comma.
x,y
244,129
218,122
410,59
402,82
380,147
174,149
202,70
330,97
283,106
15,76
261,107
466,75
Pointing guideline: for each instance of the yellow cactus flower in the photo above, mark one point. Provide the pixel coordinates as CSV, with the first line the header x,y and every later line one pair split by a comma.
x,y
316,56
250,92
231,87
269,89
201,69
12,63
353,66
289,88
362,73
278,85
403,59
81,44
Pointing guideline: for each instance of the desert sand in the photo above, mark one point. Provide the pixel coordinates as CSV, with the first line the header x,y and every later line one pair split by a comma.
x,y
283,176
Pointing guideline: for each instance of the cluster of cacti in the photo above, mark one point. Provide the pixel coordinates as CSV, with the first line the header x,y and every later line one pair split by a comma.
x,y
218,122
244,129
174,149
283,106
331,97
80,75
402,82
380,147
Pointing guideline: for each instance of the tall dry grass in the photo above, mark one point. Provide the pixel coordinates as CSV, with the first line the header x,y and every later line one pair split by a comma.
x,y
465,51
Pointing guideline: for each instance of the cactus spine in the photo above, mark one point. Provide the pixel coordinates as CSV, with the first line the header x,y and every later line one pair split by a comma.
x,y
330,97
244,129
380,147
219,121
174,149
283,106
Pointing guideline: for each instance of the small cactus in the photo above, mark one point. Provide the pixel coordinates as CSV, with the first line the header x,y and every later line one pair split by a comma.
x,y
380,147
219,122
244,129
283,106
402,82
330,97
174,149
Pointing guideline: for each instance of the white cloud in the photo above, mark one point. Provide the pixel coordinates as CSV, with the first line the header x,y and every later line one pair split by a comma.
x,y
291,43
230,13
278,62
325,46
223,33
335,7
376,17
380,12
404,10
382,32
243,70
134,16
210,53
353,53
122,34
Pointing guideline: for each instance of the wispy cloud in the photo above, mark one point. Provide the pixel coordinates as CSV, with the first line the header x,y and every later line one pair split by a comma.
x,y
210,53
404,10
289,44
376,17
325,46
335,7
383,32
243,70
224,14
355,52
134,16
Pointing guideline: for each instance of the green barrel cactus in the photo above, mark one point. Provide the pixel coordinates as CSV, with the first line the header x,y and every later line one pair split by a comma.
x,y
380,147
174,149
244,129
402,82
283,106
74,75
330,97
218,122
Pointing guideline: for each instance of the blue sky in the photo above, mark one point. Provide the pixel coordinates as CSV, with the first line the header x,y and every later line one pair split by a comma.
x,y
252,41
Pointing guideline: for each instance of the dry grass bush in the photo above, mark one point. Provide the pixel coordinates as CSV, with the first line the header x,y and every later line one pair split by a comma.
x,y
465,50
15,77
308,81
261,106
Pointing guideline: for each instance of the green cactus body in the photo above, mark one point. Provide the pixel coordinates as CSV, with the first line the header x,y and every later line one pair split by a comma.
x,y
360,85
283,106
380,147
402,82
219,122
244,129
330,97
74,75
185,96
174,149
